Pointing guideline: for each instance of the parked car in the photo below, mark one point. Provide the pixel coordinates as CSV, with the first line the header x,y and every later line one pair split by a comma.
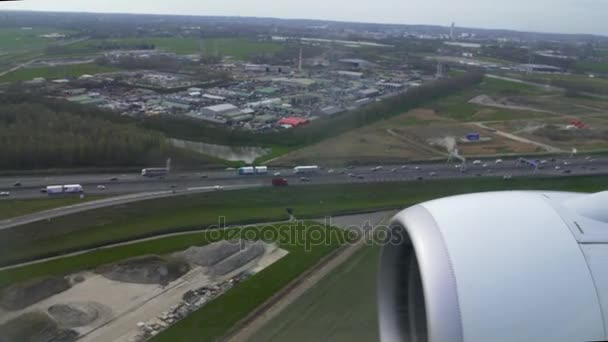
x,y
5,193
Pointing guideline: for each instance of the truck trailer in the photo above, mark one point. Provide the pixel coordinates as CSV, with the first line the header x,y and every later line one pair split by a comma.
x,y
252,170
306,169
64,189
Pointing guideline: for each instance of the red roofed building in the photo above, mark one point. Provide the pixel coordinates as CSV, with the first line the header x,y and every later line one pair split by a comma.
x,y
293,121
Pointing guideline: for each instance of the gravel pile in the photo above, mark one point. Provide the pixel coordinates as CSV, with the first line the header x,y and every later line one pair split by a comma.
x,y
149,269
210,254
251,251
74,315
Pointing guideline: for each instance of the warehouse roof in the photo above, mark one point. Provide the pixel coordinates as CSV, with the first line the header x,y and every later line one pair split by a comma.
x,y
222,107
293,121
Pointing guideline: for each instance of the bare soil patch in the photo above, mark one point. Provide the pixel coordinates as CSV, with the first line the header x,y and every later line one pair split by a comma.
x,y
21,295
149,269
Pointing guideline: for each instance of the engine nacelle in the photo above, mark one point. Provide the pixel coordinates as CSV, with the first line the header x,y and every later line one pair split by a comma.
x,y
497,266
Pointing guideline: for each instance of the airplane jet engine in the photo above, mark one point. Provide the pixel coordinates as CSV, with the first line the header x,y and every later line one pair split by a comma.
x,y
497,266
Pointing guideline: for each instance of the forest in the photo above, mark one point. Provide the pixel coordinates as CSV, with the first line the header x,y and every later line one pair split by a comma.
x,y
35,135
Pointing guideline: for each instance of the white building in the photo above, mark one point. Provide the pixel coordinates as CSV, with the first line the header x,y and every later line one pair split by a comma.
x,y
220,109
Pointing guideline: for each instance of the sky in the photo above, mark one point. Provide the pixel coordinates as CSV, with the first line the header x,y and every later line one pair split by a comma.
x,y
560,16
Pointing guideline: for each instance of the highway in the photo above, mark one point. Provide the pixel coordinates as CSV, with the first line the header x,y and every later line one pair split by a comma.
x,y
126,188
133,183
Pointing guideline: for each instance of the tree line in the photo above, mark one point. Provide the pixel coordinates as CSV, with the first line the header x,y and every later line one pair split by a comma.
x,y
49,134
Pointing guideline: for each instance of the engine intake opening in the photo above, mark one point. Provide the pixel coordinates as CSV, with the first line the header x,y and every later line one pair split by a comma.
x,y
402,310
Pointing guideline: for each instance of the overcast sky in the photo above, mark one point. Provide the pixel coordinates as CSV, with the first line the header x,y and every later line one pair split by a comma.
x,y
563,16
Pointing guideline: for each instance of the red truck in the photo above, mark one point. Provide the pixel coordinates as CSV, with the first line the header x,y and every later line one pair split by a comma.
x,y
279,182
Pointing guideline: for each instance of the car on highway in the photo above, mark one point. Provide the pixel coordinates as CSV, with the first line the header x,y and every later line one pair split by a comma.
x,y
173,186
203,176
420,178
498,161
43,190
360,177
403,167
218,188
330,171
416,167
476,162
433,174
17,184
350,167
277,174
5,193
566,171
557,167
484,165
279,182
113,179
101,187
304,179
393,170
543,161
566,163
352,175
377,168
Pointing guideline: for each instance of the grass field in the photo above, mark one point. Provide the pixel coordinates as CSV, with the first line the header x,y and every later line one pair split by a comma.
x,y
148,218
25,74
14,208
239,48
445,116
214,319
340,307
18,39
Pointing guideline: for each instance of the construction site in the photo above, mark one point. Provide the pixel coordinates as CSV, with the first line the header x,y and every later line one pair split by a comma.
x,y
129,300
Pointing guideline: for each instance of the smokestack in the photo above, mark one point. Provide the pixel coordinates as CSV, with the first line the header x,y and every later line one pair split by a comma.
x,y
452,32
300,61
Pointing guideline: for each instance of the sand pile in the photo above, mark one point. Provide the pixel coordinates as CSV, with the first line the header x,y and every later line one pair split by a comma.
x,y
251,251
149,269
210,254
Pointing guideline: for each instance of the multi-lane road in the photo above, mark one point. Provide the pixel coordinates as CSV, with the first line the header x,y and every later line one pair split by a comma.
x,y
132,183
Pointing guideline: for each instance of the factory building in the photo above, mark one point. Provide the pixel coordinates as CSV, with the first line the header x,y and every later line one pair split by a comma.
x,y
293,121
220,109
355,63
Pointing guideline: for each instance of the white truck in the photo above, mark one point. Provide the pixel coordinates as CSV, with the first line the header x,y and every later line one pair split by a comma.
x,y
64,189
253,170
306,169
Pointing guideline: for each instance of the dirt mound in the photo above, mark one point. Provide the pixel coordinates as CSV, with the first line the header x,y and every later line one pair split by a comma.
x,y
21,295
149,269
251,251
74,315
210,254
35,327
557,133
